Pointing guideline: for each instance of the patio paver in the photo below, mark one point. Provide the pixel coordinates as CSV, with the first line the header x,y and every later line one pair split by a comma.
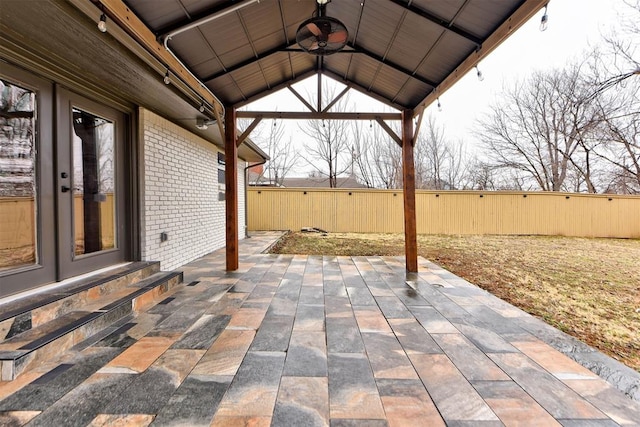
x,y
291,340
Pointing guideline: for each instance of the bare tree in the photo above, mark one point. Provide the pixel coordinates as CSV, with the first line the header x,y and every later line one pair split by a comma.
x,y
330,153
481,176
623,47
440,163
617,99
377,159
539,127
361,158
387,160
283,155
619,133
457,165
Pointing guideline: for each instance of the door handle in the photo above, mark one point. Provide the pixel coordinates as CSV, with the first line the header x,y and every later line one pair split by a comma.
x,y
65,189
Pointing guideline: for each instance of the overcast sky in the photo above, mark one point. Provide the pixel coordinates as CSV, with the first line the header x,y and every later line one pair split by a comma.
x,y
574,26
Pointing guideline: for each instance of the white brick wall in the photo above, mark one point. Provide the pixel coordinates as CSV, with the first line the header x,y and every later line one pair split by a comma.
x,y
180,194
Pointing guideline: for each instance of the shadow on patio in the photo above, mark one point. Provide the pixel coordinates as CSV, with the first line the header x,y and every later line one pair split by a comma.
x,y
309,340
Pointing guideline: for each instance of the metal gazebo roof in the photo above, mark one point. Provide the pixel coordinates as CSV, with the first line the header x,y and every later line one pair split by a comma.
x,y
403,52
216,56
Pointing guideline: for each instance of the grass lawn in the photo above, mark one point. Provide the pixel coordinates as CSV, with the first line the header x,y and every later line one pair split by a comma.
x,y
588,288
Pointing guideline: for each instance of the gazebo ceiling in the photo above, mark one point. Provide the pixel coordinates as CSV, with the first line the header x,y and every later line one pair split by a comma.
x,y
403,52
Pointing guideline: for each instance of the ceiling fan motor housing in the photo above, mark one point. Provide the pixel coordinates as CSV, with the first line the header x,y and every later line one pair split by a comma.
x,y
322,35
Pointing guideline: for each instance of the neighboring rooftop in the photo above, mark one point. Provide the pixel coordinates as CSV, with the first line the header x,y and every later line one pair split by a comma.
x,y
305,182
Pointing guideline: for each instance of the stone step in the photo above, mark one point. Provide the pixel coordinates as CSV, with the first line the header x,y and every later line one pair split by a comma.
x,y
51,338
22,314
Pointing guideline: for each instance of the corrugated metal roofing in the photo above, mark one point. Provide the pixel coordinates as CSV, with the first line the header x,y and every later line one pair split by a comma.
x,y
397,50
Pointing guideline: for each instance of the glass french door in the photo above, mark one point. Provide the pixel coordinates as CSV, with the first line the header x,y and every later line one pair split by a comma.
x,y
27,205
62,187
90,185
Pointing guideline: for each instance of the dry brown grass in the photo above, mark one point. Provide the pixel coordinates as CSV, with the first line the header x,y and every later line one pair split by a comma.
x,y
589,288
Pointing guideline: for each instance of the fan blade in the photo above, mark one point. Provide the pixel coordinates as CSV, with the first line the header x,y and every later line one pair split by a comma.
x,y
314,46
314,29
338,37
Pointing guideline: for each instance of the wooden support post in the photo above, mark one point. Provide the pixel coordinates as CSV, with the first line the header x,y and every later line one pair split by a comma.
x,y
231,187
319,65
409,190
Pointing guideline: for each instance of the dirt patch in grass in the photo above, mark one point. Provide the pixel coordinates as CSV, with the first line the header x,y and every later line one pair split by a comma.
x,y
588,288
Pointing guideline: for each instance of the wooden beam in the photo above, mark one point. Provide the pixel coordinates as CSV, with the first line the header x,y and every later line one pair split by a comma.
x,y
301,98
248,130
416,131
303,115
409,192
319,102
390,131
231,188
337,98
515,21
120,13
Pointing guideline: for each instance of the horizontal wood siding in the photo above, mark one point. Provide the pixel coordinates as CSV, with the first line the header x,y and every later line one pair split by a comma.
x,y
446,212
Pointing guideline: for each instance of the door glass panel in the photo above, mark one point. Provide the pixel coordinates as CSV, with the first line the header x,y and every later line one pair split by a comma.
x,y
94,198
18,206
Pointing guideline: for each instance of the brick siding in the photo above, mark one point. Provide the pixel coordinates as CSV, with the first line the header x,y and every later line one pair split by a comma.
x,y
181,194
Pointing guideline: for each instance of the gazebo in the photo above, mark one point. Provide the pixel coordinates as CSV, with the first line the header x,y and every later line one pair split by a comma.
x,y
403,53
195,63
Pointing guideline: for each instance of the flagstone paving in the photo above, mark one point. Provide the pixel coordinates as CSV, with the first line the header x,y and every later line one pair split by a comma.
x,y
291,340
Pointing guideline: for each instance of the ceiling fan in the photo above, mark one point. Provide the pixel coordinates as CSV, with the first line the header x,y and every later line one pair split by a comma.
x,y
322,35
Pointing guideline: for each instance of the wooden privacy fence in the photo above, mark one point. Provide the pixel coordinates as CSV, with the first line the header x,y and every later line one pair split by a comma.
x,y
445,212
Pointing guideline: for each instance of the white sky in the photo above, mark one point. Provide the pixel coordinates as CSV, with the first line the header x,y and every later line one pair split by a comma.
x,y
574,26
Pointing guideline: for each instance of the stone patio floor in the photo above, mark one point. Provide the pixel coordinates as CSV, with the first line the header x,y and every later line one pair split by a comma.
x,y
316,341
